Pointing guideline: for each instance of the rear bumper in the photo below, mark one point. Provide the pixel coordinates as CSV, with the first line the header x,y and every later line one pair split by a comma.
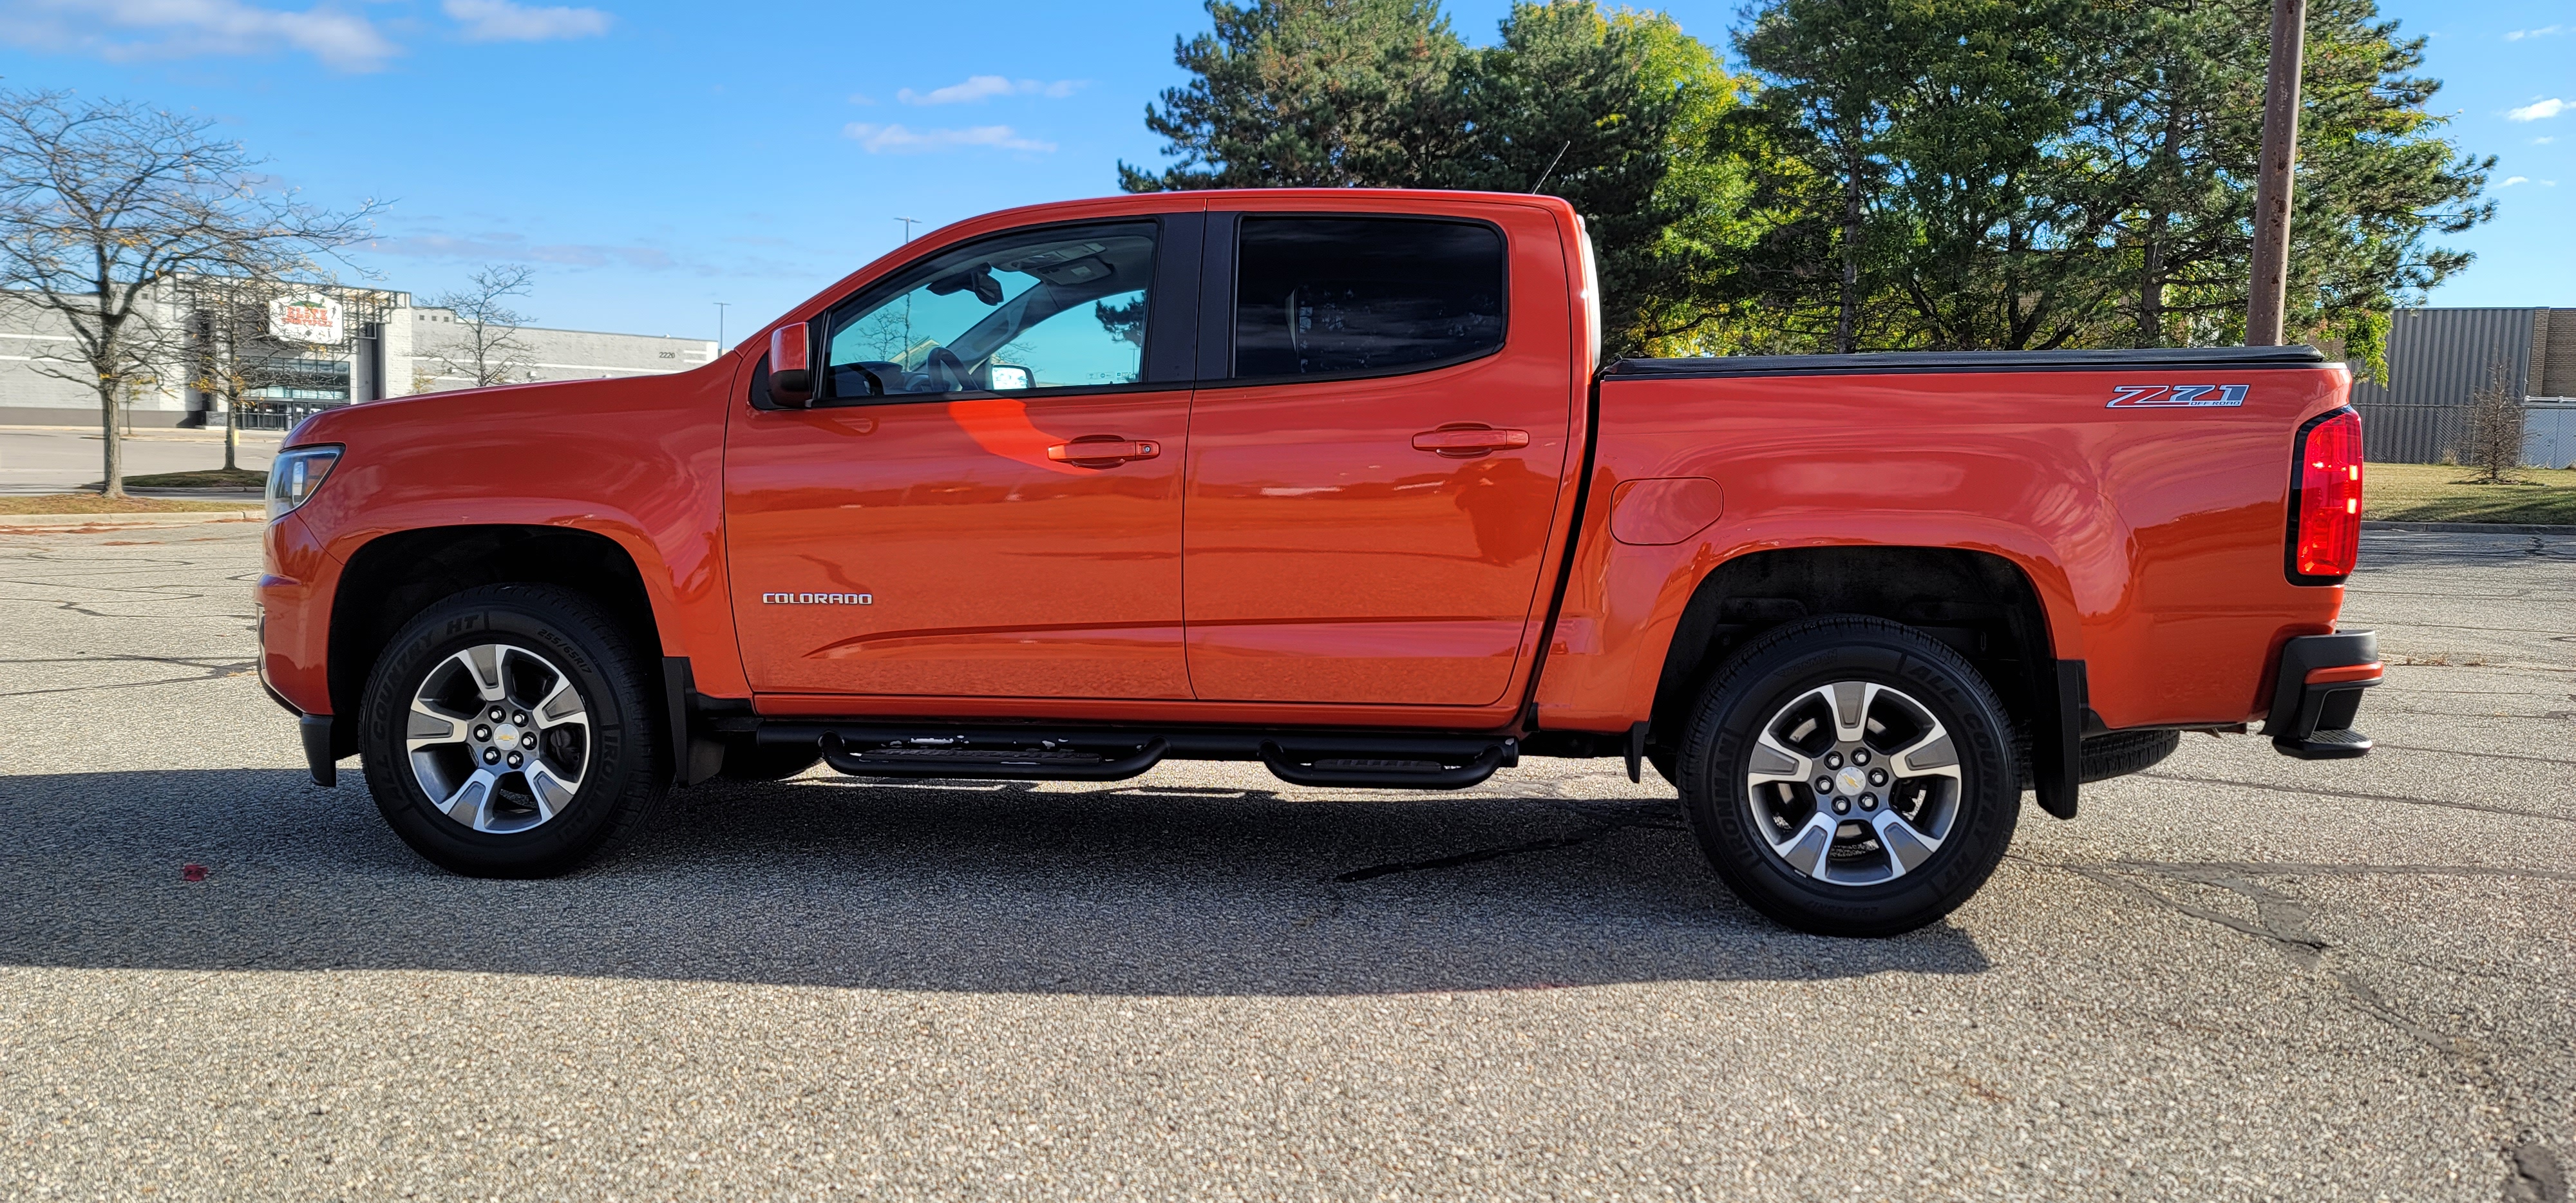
x,y
2318,693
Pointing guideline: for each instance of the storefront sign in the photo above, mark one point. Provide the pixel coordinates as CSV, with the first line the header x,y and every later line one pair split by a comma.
x,y
306,319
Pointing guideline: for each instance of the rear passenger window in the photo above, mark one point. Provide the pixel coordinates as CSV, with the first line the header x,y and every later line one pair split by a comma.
x,y
1318,296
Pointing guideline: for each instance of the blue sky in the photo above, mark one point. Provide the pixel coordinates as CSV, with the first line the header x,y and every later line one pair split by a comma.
x,y
650,160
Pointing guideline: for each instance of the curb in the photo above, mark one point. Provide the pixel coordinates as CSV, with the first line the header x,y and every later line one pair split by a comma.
x,y
180,518
2470,528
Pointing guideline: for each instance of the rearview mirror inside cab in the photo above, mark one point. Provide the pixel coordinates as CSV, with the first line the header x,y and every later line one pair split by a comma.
x,y
791,373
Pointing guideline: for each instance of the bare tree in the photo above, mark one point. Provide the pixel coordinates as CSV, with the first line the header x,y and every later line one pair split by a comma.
x,y
104,204
490,352
2494,428
239,348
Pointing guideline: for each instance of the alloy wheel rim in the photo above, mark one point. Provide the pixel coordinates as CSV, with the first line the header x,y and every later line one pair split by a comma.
x,y
1853,783
498,738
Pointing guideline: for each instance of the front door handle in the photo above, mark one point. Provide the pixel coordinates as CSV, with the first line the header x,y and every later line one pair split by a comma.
x,y
1467,440
1103,451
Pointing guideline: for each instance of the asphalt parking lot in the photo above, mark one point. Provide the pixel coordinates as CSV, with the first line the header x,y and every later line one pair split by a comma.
x,y
59,459
2235,977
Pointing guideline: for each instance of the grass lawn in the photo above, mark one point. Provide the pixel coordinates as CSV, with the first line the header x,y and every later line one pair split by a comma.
x,y
2435,493
92,503
208,478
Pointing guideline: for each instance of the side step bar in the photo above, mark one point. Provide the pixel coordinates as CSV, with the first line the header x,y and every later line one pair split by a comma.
x,y
1319,758
1328,770
959,760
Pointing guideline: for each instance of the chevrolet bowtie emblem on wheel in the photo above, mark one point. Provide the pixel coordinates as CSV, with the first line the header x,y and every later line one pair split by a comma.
x,y
2176,396
818,599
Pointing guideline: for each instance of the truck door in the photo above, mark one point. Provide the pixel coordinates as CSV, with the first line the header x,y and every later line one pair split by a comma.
x,y
1374,464
985,498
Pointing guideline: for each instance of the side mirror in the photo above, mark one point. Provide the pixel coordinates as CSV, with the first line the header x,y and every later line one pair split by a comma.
x,y
791,370
1006,377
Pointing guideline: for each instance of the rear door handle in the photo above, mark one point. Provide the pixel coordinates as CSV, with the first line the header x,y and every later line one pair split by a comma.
x,y
1467,441
1103,451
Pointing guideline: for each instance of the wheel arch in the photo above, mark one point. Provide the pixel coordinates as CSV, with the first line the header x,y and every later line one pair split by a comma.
x,y
1982,604
390,579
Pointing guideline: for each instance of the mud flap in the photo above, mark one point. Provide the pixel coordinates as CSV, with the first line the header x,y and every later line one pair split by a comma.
x,y
316,730
2057,755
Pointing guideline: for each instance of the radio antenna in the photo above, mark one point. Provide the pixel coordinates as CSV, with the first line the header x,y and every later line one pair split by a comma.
x,y
1551,167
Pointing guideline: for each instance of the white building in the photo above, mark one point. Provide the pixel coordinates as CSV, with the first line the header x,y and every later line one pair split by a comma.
x,y
326,348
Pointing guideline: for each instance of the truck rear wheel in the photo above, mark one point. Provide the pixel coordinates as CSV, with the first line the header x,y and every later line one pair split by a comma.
x,y
506,732
1850,776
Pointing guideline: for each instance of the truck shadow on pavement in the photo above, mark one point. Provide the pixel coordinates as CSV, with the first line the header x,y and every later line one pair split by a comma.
x,y
977,888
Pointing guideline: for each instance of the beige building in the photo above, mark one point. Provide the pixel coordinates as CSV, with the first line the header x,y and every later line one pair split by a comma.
x,y
322,348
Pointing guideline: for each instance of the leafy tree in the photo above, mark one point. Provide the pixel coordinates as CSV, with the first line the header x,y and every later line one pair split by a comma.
x,y
1833,74
1619,115
2176,123
1309,93
2081,174
2375,182
2171,131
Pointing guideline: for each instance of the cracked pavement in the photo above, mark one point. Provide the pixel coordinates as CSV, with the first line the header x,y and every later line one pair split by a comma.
x,y
2236,976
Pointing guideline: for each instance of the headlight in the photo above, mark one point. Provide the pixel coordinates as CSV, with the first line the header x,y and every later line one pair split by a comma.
x,y
297,472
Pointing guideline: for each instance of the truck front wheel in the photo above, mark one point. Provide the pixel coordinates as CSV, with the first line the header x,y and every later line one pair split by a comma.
x,y
506,732
1850,776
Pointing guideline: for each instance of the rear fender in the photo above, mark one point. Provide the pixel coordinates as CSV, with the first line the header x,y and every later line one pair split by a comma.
x,y
1608,653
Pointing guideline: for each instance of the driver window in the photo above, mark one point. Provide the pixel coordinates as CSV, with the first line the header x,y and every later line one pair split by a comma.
x,y
1053,308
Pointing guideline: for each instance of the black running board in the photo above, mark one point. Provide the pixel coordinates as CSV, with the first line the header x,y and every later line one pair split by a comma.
x,y
967,762
1331,769
1316,757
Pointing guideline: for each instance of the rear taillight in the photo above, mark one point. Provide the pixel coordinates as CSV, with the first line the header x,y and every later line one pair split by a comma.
x,y
2325,500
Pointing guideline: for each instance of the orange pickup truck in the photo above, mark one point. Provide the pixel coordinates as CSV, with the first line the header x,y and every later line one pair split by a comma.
x,y
1333,481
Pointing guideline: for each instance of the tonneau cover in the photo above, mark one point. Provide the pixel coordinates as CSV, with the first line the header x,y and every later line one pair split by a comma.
x,y
1888,362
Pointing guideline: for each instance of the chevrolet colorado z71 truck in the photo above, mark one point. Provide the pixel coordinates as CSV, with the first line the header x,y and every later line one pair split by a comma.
x,y
1330,480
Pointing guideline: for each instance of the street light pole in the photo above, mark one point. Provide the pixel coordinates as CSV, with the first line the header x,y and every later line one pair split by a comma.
x,y
2269,293
908,223
720,316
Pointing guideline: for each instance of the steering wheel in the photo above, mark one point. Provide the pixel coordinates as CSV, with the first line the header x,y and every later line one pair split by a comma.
x,y
943,362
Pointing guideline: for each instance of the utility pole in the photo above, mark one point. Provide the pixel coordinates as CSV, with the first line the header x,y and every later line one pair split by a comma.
x,y
2271,274
908,223
720,343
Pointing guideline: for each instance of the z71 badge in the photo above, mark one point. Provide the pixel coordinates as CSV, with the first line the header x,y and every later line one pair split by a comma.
x,y
2176,396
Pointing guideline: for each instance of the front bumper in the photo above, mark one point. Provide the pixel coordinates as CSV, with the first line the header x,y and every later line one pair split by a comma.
x,y
2318,693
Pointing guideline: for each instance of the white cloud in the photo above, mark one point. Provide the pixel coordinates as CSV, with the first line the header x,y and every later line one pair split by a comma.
x,y
492,247
985,87
2542,141
2542,32
881,139
2537,110
127,30
503,21
2510,181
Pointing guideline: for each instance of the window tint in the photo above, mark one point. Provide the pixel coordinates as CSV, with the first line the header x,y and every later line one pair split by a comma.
x,y
1058,308
1317,296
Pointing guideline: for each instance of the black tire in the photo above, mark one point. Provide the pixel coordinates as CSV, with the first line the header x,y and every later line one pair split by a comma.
x,y
2120,753
747,759
623,773
1766,676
